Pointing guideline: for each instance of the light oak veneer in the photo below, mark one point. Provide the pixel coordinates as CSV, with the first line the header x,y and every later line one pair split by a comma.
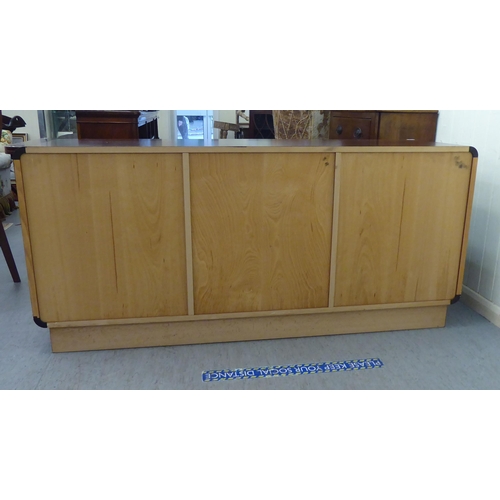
x,y
151,243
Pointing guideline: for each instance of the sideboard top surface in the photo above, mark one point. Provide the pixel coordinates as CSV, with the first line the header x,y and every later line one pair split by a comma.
x,y
232,145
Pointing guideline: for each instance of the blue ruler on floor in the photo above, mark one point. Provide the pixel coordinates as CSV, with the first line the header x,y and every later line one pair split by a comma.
x,y
287,370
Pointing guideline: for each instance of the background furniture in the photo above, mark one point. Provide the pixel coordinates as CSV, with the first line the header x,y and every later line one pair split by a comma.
x,y
62,123
346,125
117,125
261,125
170,243
7,196
243,122
225,127
6,205
240,128
384,125
5,161
4,245
301,124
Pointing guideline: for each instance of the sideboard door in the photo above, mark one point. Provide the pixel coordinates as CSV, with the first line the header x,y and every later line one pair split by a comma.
x,y
262,231
400,226
107,235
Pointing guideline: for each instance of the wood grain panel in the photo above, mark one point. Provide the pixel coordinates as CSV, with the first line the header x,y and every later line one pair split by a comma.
x,y
401,223
398,126
26,238
230,330
335,232
242,315
262,226
468,214
107,235
188,232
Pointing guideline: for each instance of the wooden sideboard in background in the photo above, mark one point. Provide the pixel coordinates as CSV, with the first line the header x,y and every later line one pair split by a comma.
x,y
117,125
384,125
374,124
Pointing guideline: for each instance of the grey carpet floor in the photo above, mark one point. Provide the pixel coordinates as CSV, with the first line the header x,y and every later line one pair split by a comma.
x,y
463,355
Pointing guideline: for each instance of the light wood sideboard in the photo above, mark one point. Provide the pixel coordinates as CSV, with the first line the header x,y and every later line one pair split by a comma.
x,y
149,243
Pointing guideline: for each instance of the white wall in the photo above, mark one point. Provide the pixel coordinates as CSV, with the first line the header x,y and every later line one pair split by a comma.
x,y
167,129
31,119
480,129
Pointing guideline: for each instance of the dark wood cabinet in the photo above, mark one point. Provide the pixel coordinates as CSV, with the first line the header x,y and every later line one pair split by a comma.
x,y
368,124
117,125
384,125
261,125
349,125
409,125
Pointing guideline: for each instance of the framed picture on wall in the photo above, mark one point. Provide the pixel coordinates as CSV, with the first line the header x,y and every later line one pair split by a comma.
x,y
18,138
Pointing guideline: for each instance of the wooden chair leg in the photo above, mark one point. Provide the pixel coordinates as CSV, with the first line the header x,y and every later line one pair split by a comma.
x,y
4,243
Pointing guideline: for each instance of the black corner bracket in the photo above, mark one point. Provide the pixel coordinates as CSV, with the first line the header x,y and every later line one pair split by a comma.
x,y
15,152
473,152
455,299
39,322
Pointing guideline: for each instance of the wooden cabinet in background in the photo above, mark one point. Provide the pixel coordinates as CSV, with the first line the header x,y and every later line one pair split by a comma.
x,y
117,125
353,125
261,125
375,124
408,125
384,125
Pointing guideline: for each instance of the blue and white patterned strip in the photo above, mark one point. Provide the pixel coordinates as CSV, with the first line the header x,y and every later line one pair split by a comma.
x,y
287,370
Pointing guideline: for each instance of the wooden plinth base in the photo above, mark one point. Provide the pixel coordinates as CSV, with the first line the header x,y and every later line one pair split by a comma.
x,y
120,336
